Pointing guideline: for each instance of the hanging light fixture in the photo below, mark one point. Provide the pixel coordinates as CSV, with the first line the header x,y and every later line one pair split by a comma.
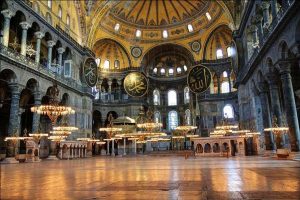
x,y
53,110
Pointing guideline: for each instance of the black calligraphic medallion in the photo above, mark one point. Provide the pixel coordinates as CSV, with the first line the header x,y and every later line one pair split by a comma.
x,y
199,79
136,84
90,72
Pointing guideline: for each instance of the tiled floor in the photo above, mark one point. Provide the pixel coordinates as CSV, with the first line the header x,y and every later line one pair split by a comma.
x,y
147,177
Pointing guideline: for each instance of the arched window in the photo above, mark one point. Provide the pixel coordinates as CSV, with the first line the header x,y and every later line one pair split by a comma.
x,y
185,67
117,27
208,16
155,70
162,71
225,87
106,64
117,64
138,33
172,98
165,34
171,71
229,51
157,117
68,20
190,28
98,61
228,111
225,74
186,95
49,3
59,12
173,120
156,97
219,54
178,70
188,117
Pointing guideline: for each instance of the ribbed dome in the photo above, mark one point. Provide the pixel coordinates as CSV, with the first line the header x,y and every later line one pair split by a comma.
x,y
109,50
220,39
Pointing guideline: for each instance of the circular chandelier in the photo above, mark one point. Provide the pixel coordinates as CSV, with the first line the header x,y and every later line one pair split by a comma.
x,y
53,110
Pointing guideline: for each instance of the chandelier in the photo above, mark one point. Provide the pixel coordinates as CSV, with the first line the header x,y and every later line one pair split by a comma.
x,y
53,110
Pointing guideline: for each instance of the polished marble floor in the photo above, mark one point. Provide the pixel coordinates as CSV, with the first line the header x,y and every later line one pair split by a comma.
x,y
147,177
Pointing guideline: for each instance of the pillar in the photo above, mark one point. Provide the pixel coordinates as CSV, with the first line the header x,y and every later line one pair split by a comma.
x,y
219,84
290,105
134,146
25,26
253,31
120,89
229,81
36,117
14,109
113,147
274,9
8,14
267,120
258,20
124,153
60,53
107,147
265,8
50,45
109,90
39,35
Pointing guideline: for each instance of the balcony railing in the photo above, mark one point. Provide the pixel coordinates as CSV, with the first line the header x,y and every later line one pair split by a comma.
x,y
266,36
220,96
41,69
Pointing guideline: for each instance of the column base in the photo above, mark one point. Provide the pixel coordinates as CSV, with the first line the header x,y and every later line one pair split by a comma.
x,y
10,160
52,157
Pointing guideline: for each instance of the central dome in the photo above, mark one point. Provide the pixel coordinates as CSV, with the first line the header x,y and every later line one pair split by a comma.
x,y
154,14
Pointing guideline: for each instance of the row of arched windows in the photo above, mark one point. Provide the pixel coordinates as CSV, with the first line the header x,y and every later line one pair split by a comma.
x,y
230,52
106,64
172,97
173,118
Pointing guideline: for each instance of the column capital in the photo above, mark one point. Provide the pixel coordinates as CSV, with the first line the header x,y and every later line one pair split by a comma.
x,y
50,43
265,5
25,25
39,34
283,66
8,13
61,50
272,79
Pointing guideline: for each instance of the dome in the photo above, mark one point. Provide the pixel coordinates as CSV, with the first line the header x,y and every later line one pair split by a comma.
x,y
110,55
153,20
219,40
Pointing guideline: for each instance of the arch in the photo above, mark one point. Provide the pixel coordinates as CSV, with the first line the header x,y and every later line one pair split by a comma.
x,y
173,119
3,5
172,97
114,115
283,50
199,148
8,75
32,84
228,111
216,148
207,148
225,146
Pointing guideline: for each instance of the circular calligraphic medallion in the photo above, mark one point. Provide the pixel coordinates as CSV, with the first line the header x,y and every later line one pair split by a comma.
x,y
136,52
196,46
136,84
199,79
90,72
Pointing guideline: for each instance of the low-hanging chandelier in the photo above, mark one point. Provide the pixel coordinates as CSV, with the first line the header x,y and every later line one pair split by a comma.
x,y
53,110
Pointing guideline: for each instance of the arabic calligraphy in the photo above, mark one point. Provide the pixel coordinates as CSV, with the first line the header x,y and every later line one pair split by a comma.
x,y
90,72
136,84
199,79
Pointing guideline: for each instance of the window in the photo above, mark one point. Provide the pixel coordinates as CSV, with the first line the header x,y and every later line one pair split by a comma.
x,y
155,70
225,75
98,61
162,71
95,92
157,117
172,98
49,3
190,28
179,70
187,117
36,7
165,34
225,87
173,120
68,68
106,64
138,33
68,20
228,111
185,67
156,97
186,95
229,51
219,54
171,71
59,12
48,18
208,16
117,64
117,27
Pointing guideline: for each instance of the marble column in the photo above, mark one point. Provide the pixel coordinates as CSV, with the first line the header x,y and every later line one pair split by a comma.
x,y
267,120
39,35
120,89
290,105
14,109
50,45
265,8
113,148
274,9
124,153
25,26
219,84
107,147
8,14
258,20
60,52
229,81
253,31
36,117
109,89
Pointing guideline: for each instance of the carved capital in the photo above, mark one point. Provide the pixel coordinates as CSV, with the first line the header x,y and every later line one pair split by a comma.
x,y
50,43
60,50
265,5
39,35
25,25
283,66
8,13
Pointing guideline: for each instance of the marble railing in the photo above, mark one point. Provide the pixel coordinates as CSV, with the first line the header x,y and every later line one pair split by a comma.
x,y
216,97
29,64
267,34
